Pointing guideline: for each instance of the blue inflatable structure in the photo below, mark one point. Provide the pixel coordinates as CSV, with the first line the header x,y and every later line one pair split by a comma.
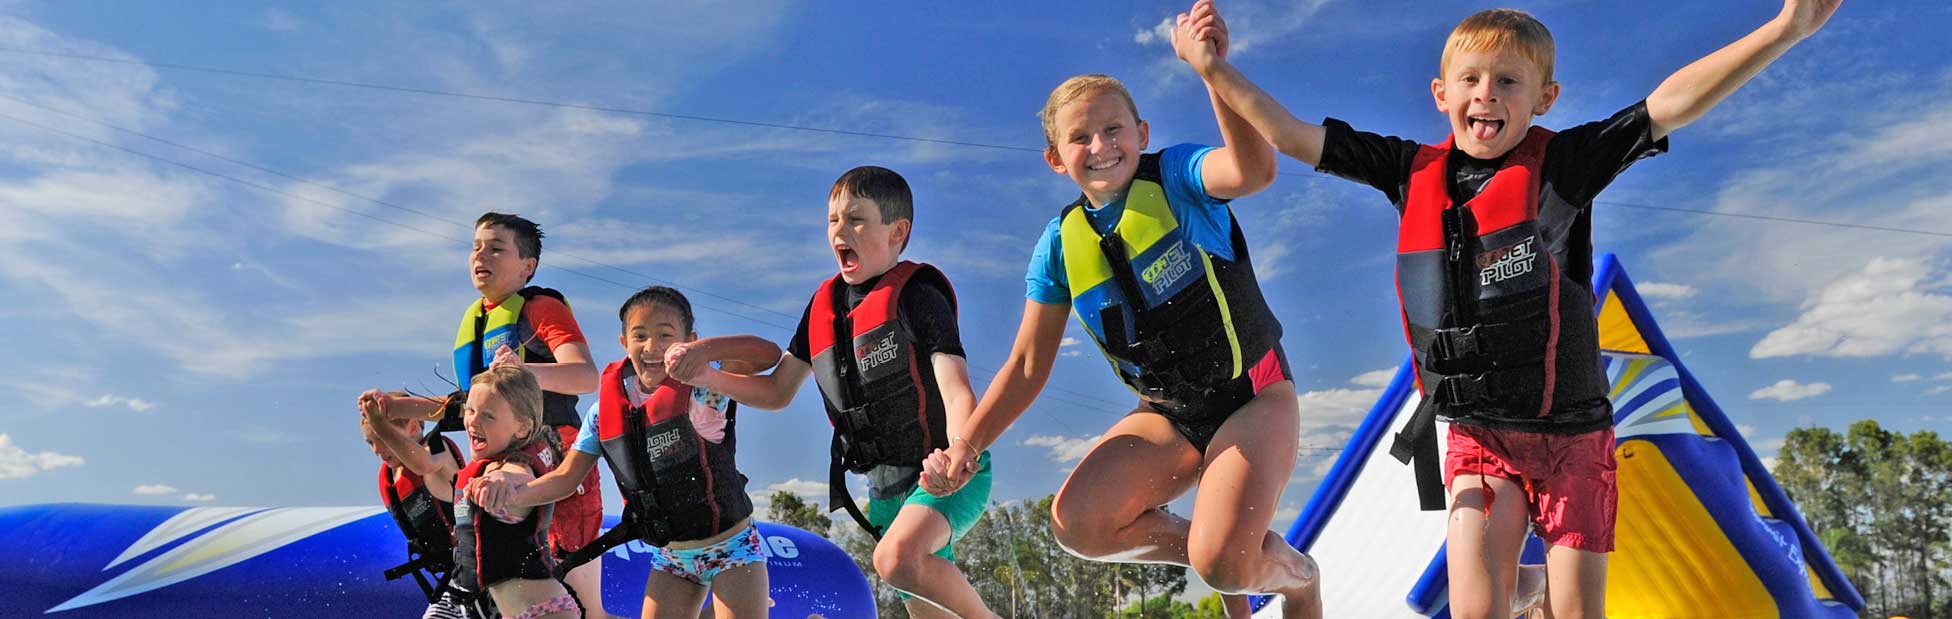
x,y
73,561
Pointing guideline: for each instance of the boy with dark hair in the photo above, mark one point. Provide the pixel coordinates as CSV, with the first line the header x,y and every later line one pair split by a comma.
x,y
882,342
526,326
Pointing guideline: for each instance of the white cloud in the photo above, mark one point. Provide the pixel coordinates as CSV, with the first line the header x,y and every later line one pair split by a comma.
x,y
1892,306
17,463
1374,378
1905,378
1063,449
1943,377
135,404
154,489
801,487
1068,342
1787,390
1664,291
1161,33
1938,390
199,498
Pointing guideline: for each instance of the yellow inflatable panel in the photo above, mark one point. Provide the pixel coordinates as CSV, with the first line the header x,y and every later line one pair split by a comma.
x,y
1674,561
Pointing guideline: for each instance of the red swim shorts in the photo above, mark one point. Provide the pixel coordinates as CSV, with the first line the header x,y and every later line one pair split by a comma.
x,y
1569,480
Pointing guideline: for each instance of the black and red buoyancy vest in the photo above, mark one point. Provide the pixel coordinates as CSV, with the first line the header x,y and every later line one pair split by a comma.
x,y
488,551
883,408
1502,328
427,522
879,391
676,484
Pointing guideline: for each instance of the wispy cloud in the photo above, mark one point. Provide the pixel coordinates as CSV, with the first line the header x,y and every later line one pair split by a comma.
x,y
135,404
1905,378
155,489
1063,448
279,21
1787,390
199,498
18,463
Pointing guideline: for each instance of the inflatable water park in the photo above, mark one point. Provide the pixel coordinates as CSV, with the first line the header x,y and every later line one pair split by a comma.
x,y
1704,530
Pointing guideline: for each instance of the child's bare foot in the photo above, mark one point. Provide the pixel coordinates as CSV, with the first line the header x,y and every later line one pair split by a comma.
x,y
1529,597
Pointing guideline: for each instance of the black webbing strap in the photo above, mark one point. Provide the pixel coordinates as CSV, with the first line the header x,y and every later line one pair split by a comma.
x,y
1416,446
837,492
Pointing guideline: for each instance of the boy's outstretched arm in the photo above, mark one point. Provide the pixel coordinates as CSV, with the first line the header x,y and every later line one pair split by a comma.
x,y
1292,136
738,354
1023,375
1696,88
1244,164
771,391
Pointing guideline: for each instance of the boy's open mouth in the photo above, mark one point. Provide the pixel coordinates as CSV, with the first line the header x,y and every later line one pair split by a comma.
x,y
1484,129
1105,165
483,273
849,261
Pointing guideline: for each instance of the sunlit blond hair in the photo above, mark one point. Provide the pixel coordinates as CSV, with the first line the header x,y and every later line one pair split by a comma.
x,y
518,387
1076,88
1501,29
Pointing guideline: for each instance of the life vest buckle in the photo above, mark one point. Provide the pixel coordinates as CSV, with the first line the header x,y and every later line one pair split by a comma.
x,y
1458,345
1463,390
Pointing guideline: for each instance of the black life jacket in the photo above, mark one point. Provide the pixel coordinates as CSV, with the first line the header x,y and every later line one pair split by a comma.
x,y
676,484
488,551
427,522
1176,321
880,392
1502,327
482,332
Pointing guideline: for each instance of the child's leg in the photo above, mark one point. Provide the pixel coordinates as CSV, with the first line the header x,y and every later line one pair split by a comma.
x,y
1108,509
1247,464
671,597
906,559
741,592
586,579
1577,582
1484,544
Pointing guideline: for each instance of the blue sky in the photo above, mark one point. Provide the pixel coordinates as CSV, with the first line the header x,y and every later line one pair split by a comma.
x,y
182,338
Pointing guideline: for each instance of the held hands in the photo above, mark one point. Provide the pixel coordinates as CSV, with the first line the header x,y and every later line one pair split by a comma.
x,y
947,470
1200,37
1802,18
492,492
686,362
372,406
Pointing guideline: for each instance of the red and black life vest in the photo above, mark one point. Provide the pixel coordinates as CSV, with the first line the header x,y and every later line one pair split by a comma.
x,y
488,551
427,522
676,484
1501,327
880,392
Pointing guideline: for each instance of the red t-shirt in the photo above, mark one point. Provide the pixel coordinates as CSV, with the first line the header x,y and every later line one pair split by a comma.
x,y
551,319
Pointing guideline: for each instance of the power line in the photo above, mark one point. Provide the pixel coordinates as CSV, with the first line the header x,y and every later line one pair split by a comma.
x,y
794,127
1072,398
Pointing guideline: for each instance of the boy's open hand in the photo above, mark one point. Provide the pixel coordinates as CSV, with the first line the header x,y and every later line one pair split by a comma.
x,y
1200,36
506,356
1804,17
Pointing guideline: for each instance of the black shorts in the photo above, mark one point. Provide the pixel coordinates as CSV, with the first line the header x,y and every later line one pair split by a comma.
x,y
1199,421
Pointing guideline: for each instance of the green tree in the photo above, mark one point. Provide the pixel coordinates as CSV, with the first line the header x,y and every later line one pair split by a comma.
x,y
789,509
1881,502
